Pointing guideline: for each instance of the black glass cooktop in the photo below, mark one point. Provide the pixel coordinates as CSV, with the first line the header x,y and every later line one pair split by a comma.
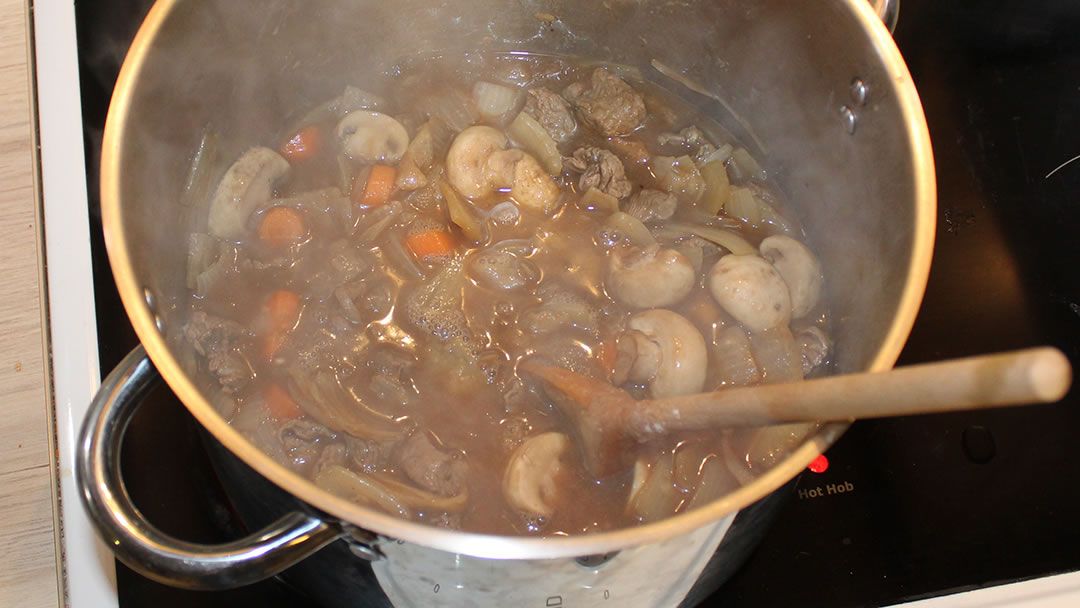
x,y
909,507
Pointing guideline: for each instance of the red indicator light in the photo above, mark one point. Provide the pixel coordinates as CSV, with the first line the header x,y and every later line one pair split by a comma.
x,y
819,464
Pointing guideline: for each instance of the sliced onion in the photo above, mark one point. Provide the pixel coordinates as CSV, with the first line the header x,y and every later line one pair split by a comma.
x,y
656,496
631,228
768,445
378,220
733,362
724,238
743,167
743,205
779,356
595,198
393,248
715,481
717,187
494,100
461,213
418,158
721,154
202,253
531,135
323,398
206,280
385,493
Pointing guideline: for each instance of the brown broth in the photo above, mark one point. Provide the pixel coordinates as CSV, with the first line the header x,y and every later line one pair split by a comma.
x,y
461,345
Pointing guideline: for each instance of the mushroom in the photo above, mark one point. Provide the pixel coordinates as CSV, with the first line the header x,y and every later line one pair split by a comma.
x,y
799,268
751,290
651,277
248,182
530,185
478,163
664,350
466,161
531,481
373,137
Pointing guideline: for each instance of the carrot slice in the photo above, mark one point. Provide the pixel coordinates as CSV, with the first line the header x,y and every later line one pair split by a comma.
x,y
430,243
283,310
302,145
280,403
281,227
380,185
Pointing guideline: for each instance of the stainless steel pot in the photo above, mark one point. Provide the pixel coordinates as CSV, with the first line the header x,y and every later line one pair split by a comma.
x,y
818,88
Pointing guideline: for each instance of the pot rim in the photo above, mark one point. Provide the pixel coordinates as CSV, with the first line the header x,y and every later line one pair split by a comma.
x,y
487,545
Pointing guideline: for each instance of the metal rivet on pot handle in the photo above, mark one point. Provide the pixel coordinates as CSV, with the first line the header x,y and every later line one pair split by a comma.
x,y
139,544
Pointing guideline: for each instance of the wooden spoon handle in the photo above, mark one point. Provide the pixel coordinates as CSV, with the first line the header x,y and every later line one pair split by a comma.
x,y
1012,378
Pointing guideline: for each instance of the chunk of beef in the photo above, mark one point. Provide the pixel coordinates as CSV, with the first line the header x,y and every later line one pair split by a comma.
x,y
599,169
368,455
649,205
333,454
630,149
232,368
607,105
304,440
433,469
689,139
552,112
223,343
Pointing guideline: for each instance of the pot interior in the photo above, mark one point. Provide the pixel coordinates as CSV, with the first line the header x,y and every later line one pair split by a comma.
x,y
776,74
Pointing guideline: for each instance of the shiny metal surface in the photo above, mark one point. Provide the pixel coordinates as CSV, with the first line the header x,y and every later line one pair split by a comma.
x,y
888,11
867,201
138,543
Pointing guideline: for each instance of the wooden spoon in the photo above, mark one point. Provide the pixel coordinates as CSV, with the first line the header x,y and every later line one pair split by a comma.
x,y
609,421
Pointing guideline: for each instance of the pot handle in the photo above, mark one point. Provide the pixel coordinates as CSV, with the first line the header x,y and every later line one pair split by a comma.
x,y
140,545
888,10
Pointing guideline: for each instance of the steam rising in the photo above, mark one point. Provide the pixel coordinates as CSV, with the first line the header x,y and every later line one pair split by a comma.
x,y
246,70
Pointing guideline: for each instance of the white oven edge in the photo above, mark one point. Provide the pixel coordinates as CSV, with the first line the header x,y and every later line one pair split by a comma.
x,y
1059,591
87,566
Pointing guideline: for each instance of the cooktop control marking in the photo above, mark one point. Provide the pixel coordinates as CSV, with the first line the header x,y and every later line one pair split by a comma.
x,y
829,489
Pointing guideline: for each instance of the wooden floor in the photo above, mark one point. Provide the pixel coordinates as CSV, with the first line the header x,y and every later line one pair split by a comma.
x,y
27,549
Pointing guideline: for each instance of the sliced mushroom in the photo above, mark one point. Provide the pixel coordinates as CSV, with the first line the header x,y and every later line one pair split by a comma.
x,y
466,162
637,358
651,277
530,185
373,137
531,482
669,353
799,268
751,290
247,183
478,163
